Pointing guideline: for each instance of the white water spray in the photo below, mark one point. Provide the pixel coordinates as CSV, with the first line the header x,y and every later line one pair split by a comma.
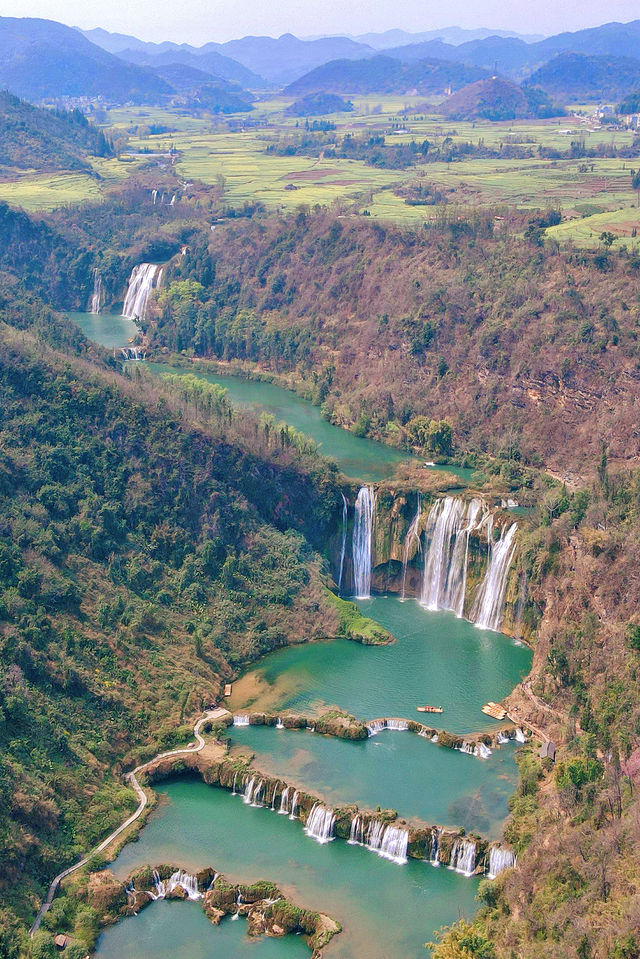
x,y
320,824
143,280
489,603
363,542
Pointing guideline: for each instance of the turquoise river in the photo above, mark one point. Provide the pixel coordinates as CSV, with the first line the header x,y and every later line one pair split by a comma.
x,y
387,911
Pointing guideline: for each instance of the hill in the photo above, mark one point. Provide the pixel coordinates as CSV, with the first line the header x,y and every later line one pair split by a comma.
x,y
576,77
318,104
384,74
44,60
146,551
497,99
45,140
206,60
214,98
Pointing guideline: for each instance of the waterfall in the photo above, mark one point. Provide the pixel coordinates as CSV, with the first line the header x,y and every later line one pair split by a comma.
x,y
187,882
376,726
467,748
502,739
252,792
273,797
500,858
95,303
390,842
132,353
449,524
363,542
343,544
235,777
142,281
294,805
413,535
284,809
434,854
154,194
483,751
356,835
400,724
320,824
456,586
463,857
488,606
159,884
520,736
279,724
241,720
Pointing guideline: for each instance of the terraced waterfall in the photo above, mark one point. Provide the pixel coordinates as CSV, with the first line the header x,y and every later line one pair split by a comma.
x,y
323,817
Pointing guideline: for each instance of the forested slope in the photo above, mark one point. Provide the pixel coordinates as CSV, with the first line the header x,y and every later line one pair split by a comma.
x,y
146,550
519,345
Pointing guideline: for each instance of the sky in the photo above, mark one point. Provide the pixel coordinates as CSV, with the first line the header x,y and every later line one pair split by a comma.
x,y
199,21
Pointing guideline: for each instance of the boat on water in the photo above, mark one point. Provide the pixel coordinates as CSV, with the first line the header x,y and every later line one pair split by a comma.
x,y
430,709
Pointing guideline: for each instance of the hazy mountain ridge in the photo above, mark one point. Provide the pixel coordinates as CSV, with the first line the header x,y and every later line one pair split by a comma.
x,y
42,59
383,74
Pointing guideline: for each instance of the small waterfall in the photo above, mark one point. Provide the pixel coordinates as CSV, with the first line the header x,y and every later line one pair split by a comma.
x,y
376,726
284,809
95,304
132,353
502,739
343,543
320,824
500,858
483,751
159,884
467,748
154,194
434,853
488,606
356,835
463,857
241,720
273,797
413,536
173,200
390,842
520,736
187,882
279,724
363,542
399,724
235,777
144,278
294,805
253,792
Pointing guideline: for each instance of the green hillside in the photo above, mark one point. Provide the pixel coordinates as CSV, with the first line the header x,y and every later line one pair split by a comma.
x,y
44,140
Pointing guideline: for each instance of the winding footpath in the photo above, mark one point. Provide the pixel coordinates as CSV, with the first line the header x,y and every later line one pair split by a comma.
x,y
132,777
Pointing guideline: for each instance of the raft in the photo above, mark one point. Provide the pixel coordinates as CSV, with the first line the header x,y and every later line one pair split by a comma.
x,y
495,710
430,709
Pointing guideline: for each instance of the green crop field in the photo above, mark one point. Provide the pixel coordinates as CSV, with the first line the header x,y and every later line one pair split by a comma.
x,y
594,194
48,192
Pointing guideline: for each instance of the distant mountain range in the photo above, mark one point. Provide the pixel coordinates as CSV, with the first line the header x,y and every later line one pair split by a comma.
x,y
42,59
512,57
250,61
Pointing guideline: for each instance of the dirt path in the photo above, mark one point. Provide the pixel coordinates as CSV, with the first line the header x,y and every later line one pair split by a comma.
x,y
212,714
